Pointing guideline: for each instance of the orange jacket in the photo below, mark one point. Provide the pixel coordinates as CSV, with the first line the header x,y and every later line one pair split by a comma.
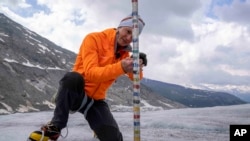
x,y
97,63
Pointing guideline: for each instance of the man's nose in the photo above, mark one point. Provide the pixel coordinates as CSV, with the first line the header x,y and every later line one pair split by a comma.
x,y
129,38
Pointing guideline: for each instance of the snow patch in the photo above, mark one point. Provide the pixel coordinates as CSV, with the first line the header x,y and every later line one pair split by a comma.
x,y
3,34
121,108
7,110
9,66
34,39
63,61
30,32
38,84
28,64
43,48
4,111
57,51
24,109
30,42
10,60
50,104
18,28
2,40
109,99
168,105
148,107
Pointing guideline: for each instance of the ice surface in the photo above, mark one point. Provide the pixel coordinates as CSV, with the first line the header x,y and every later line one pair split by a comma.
x,y
190,124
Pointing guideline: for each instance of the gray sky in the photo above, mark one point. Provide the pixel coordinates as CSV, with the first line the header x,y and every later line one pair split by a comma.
x,y
198,43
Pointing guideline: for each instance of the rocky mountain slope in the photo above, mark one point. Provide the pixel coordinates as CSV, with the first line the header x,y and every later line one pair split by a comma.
x,y
31,66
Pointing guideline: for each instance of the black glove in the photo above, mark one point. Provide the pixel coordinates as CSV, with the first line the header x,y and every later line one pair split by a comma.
x,y
143,56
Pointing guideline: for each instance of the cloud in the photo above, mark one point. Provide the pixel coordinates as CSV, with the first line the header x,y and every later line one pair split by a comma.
x,y
169,18
14,3
236,12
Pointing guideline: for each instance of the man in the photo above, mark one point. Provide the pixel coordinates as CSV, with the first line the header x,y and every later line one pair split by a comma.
x,y
103,56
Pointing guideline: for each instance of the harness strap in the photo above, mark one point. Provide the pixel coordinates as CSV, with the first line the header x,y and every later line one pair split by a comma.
x,y
84,103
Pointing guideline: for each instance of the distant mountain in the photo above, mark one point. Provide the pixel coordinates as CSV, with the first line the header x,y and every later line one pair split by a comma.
x,y
243,96
242,92
31,66
192,97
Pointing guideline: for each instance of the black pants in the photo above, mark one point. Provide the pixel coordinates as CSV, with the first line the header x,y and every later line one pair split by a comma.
x,y
69,98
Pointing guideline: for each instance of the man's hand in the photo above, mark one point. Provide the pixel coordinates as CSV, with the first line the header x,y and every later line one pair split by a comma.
x,y
127,64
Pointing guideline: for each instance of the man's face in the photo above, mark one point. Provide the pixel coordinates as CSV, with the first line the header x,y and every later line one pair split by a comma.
x,y
125,36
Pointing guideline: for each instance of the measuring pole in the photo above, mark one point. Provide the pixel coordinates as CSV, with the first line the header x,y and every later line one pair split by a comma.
x,y
136,72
